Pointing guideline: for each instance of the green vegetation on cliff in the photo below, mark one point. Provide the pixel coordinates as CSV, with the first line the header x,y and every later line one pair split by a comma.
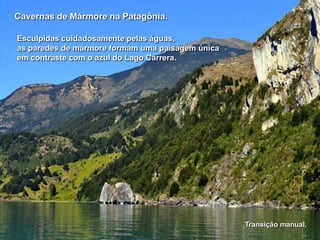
x,y
219,151
216,149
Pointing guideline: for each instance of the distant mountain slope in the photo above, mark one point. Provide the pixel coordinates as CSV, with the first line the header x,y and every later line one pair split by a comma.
x,y
222,136
35,107
146,109
75,152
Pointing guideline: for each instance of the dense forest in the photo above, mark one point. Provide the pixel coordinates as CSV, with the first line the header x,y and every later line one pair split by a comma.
x,y
215,149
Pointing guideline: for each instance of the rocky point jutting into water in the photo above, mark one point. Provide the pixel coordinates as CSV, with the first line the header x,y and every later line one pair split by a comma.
x,y
120,193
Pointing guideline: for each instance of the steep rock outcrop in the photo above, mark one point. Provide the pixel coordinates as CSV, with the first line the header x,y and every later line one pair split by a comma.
x,y
287,57
240,67
187,98
119,193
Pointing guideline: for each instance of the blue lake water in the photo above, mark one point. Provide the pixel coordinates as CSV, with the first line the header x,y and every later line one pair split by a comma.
x,y
28,220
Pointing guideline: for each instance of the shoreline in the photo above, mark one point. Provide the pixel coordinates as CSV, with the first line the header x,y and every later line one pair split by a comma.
x,y
183,202
222,203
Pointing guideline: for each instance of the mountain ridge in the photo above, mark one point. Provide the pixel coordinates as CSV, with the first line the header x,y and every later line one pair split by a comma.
x,y
230,134
34,107
231,42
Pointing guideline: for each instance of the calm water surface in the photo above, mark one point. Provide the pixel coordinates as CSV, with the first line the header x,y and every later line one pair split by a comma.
x,y
26,220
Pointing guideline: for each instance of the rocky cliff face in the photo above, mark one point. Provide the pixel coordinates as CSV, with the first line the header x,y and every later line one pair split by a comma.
x,y
119,193
240,67
287,56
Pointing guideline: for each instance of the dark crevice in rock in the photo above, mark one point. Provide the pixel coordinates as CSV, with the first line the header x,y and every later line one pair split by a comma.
x,y
289,70
313,27
274,49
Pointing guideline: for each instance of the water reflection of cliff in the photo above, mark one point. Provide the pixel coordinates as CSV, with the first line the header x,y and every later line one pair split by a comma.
x,y
37,221
156,222
116,221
